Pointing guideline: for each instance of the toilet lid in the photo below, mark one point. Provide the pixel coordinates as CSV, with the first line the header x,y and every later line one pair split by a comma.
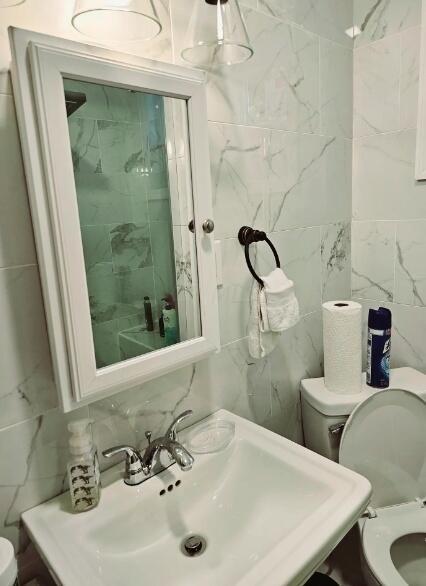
x,y
385,440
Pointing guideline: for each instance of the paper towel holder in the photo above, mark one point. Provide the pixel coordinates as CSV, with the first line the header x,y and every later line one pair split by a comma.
x,y
247,236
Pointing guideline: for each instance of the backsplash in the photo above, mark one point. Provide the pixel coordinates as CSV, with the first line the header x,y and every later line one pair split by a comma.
x,y
389,206
281,150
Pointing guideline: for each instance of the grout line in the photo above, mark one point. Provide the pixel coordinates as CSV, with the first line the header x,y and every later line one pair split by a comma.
x,y
23,266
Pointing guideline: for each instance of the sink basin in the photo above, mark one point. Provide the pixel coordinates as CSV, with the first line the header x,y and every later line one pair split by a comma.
x,y
269,510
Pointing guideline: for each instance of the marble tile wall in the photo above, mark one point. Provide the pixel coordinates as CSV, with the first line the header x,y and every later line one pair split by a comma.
x,y
389,206
281,146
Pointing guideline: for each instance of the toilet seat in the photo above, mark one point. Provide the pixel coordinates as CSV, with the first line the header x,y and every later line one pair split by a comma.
x,y
380,533
384,440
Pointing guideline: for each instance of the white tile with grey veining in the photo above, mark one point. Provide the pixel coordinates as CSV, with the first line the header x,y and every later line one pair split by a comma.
x,y
410,66
283,86
229,380
234,295
27,387
410,268
336,89
308,180
5,82
379,18
328,18
238,177
300,256
15,216
297,356
373,250
408,327
376,87
34,470
384,187
336,261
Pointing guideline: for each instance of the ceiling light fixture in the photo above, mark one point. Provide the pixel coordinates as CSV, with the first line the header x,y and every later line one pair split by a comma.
x,y
216,34
116,20
8,3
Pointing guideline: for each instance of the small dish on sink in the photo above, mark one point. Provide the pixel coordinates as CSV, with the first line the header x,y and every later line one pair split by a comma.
x,y
211,437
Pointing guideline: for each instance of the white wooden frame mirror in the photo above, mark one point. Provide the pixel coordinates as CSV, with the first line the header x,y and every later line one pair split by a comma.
x,y
40,63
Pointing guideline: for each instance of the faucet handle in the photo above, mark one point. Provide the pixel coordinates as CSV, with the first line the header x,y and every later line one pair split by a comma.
x,y
171,432
135,471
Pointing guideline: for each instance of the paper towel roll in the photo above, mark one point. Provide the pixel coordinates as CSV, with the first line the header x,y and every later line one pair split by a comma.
x,y
342,327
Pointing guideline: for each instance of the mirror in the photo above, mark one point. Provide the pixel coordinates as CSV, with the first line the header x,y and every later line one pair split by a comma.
x,y
133,183
116,155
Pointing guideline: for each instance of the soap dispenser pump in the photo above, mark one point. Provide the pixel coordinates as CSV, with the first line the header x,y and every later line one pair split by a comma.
x,y
83,467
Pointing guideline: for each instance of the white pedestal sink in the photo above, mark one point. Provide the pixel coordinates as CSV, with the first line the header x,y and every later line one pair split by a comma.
x,y
269,510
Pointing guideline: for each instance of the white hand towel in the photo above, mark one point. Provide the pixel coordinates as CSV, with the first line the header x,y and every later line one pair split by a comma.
x,y
282,307
261,340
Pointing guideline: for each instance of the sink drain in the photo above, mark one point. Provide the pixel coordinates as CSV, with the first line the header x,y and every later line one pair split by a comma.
x,y
193,546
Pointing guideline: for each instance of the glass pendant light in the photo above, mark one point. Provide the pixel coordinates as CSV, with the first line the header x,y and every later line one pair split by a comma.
x,y
216,34
8,3
116,20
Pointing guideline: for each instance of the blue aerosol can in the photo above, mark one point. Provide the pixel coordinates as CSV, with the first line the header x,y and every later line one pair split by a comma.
x,y
379,347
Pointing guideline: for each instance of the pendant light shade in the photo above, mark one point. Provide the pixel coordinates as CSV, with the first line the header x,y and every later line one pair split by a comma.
x,y
7,3
116,20
216,34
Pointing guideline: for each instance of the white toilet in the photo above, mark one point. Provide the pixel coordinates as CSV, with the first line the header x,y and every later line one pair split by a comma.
x,y
8,566
381,435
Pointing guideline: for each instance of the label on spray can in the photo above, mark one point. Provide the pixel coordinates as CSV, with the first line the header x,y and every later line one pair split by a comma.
x,y
379,348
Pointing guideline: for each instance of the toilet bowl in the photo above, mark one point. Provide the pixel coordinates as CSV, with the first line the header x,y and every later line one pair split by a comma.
x,y
8,566
384,439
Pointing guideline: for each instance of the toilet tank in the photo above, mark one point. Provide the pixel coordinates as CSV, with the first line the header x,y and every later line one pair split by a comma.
x,y
324,413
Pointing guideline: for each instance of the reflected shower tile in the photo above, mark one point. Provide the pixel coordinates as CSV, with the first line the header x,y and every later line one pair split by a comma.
x,y
163,259
283,85
84,141
131,247
96,246
336,261
123,148
376,87
105,338
103,292
373,251
134,286
102,199
159,205
410,270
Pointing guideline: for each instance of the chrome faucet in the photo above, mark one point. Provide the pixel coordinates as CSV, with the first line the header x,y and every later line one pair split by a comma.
x,y
141,467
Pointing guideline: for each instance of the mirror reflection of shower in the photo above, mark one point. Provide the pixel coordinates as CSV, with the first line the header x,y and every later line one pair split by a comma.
x,y
132,173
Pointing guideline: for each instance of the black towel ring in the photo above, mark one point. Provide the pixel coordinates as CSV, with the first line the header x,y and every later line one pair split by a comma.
x,y
247,236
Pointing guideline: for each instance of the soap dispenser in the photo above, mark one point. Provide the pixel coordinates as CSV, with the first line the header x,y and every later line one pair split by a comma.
x,y
83,467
